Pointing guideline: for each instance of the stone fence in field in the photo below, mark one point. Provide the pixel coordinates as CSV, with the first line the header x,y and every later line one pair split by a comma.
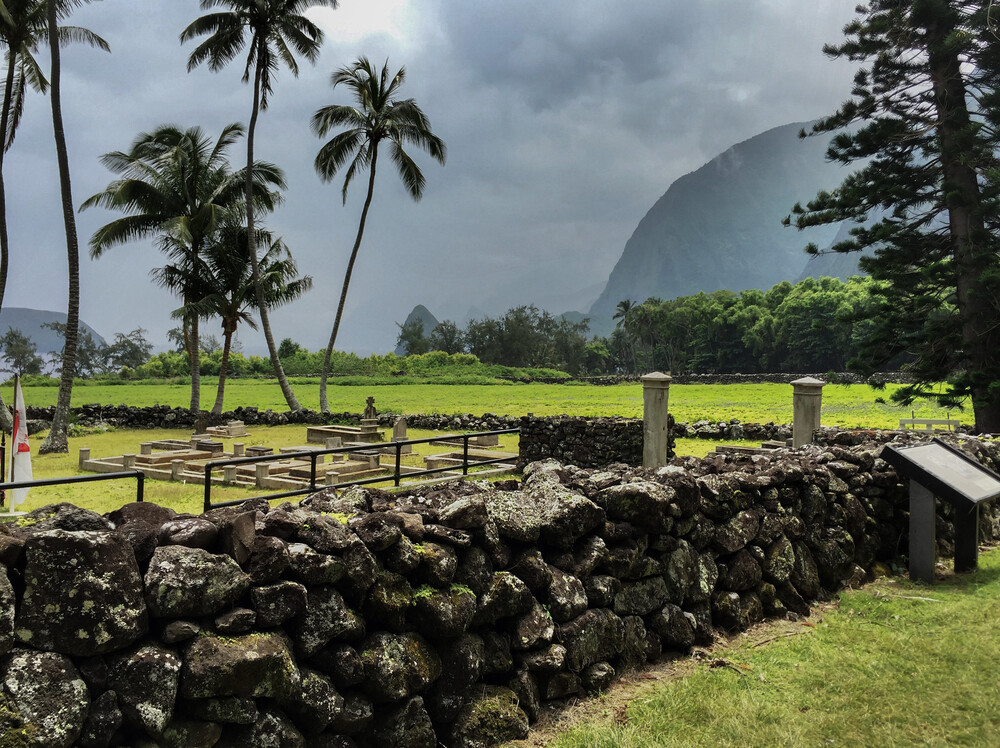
x,y
440,615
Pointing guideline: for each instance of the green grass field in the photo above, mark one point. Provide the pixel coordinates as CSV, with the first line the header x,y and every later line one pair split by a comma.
x,y
895,664
843,405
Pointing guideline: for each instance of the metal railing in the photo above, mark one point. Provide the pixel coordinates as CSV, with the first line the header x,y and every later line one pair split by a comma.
x,y
313,454
138,475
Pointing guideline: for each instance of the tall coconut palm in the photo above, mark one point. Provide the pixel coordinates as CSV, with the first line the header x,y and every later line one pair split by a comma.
x,y
623,313
177,185
57,439
23,28
224,284
276,30
377,116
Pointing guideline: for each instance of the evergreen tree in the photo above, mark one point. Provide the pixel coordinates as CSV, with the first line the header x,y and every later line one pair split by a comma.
x,y
922,124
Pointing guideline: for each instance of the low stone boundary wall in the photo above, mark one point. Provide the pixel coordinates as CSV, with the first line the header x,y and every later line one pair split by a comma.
x,y
586,442
446,615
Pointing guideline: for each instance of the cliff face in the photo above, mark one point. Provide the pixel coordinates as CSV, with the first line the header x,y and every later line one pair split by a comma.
x,y
719,227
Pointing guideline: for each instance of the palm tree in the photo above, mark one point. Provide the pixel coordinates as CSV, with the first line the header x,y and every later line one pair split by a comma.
x,y
623,313
57,439
177,185
23,27
225,288
378,116
277,28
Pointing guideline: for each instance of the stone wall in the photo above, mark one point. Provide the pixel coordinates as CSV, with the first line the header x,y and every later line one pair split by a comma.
x,y
448,615
586,442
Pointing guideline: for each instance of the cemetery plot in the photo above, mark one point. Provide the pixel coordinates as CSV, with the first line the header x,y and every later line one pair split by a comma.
x,y
185,461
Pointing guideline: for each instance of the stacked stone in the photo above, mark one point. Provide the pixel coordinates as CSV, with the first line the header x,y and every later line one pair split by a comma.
x,y
585,442
447,615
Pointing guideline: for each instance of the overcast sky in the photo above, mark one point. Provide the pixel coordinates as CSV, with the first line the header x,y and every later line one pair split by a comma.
x,y
565,121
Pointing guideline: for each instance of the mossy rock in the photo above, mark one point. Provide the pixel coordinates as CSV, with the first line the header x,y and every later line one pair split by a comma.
x,y
490,719
15,730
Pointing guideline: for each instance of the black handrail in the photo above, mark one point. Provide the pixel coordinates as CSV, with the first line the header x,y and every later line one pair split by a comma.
x,y
313,454
137,474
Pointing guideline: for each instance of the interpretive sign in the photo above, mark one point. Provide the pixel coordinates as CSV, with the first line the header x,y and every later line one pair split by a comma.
x,y
938,469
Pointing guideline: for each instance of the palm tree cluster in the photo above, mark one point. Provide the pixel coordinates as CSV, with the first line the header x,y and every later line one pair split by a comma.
x,y
176,186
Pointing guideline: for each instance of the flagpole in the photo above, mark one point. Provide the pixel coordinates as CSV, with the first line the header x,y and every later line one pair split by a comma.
x,y
13,437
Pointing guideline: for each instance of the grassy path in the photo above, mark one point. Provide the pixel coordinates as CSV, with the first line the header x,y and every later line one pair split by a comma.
x,y
895,664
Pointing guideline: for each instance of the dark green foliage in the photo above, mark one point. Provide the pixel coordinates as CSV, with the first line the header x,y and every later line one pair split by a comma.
x,y
527,337
808,327
20,353
411,338
922,125
288,347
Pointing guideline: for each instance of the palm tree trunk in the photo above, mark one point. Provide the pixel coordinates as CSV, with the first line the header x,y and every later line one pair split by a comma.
x,y
8,94
6,421
227,336
194,354
57,440
265,322
323,402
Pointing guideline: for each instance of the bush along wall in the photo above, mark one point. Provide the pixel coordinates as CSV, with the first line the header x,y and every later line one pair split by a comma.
x,y
446,615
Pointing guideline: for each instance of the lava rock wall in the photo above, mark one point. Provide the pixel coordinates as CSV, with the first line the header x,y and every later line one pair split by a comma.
x,y
446,615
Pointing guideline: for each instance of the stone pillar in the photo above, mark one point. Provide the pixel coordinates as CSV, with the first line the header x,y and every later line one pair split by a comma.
x,y
238,449
128,462
84,456
228,474
331,477
146,448
263,470
807,403
655,431
176,468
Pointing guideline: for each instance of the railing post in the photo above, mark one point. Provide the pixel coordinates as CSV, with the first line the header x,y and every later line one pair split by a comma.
x,y
140,486
655,429
207,503
312,471
465,454
807,404
399,452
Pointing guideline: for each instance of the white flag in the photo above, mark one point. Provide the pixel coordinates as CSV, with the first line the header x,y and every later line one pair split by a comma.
x,y
20,451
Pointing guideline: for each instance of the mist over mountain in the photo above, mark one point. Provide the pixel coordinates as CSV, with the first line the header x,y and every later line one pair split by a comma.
x,y
719,227
30,321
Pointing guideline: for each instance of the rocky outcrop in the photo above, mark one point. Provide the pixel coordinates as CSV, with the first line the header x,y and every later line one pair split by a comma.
x,y
446,615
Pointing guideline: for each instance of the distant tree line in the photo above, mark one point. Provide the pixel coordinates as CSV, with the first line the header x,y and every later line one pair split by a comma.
x,y
812,326
19,353
816,325
524,336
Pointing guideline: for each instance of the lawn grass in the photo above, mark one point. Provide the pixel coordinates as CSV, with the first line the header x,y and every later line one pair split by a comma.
x,y
106,496
896,664
843,405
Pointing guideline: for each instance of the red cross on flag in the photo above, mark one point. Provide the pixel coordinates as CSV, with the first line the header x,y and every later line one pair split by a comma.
x,y
20,450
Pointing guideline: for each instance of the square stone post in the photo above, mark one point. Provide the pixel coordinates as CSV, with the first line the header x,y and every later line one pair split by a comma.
x,y
655,431
807,403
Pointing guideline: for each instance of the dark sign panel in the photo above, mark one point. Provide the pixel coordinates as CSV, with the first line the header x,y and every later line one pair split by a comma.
x,y
948,472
